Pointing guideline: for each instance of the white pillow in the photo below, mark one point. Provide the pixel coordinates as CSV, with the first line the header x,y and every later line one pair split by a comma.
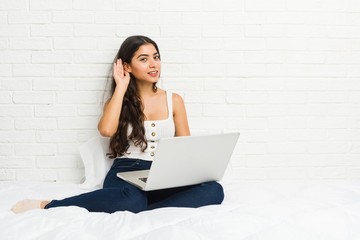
x,y
96,163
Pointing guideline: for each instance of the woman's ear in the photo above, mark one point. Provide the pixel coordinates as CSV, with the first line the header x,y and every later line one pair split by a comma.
x,y
127,67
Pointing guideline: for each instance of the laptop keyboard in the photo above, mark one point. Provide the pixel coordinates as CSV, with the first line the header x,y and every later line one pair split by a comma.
x,y
144,179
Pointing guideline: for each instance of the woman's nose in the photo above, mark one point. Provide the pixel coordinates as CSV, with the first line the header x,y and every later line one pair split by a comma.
x,y
152,63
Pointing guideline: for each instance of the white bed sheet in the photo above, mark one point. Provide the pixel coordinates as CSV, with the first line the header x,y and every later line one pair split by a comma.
x,y
290,210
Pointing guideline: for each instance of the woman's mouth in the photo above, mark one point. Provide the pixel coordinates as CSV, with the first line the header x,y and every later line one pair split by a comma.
x,y
153,73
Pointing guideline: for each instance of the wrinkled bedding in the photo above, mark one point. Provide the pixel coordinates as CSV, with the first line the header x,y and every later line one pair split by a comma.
x,y
252,210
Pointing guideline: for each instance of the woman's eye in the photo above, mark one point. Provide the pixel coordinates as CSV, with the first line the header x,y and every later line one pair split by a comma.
x,y
143,59
157,57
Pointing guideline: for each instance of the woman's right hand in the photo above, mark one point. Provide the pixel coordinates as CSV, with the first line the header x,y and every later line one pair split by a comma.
x,y
122,77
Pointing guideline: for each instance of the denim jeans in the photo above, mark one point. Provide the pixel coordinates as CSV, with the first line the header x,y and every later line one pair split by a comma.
x,y
119,195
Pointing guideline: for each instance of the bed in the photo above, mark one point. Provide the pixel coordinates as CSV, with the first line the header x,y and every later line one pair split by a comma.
x,y
252,210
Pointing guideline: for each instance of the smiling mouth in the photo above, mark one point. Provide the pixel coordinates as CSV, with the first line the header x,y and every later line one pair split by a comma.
x,y
153,73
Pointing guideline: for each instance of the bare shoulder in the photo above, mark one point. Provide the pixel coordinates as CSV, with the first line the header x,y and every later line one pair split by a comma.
x,y
180,116
177,100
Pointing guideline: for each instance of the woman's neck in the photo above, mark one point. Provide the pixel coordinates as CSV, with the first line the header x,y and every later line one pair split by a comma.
x,y
146,89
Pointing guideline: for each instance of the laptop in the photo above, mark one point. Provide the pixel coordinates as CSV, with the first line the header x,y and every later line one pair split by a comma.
x,y
183,161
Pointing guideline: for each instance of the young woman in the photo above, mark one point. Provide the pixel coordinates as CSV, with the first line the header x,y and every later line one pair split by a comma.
x,y
136,116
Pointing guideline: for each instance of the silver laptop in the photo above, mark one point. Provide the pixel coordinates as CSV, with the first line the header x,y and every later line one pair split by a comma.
x,y
182,161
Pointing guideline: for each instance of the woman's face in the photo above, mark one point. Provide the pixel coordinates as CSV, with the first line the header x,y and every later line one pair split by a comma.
x,y
146,64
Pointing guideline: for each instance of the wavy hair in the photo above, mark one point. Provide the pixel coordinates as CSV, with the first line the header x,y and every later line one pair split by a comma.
x,y
132,115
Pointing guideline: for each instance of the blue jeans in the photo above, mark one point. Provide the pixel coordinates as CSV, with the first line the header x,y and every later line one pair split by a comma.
x,y
119,195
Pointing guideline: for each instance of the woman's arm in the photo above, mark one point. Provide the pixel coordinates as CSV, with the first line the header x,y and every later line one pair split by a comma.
x,y
109,121
180,117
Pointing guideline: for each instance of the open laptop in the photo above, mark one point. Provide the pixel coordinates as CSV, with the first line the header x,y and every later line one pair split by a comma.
x,y
182,161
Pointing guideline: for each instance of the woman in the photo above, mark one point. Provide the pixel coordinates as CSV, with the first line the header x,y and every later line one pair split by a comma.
x,y
136,116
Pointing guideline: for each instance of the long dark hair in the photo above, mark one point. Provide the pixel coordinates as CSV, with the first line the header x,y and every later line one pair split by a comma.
x,y
132,108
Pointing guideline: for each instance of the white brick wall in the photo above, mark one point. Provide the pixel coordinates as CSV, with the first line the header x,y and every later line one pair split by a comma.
x,y
285,73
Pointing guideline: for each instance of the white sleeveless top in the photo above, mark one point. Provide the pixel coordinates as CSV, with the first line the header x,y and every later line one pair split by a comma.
x,y
154,130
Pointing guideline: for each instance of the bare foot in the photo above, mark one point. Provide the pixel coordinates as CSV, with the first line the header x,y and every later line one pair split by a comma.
x,y
28,204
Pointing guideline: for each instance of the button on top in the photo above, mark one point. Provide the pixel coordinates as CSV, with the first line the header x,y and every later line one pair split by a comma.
x,y
153,124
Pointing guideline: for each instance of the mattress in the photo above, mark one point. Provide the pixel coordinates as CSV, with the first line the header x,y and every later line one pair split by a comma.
x,y
252,210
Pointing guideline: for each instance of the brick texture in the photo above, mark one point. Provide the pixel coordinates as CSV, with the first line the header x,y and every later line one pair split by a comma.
x,y
284,73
